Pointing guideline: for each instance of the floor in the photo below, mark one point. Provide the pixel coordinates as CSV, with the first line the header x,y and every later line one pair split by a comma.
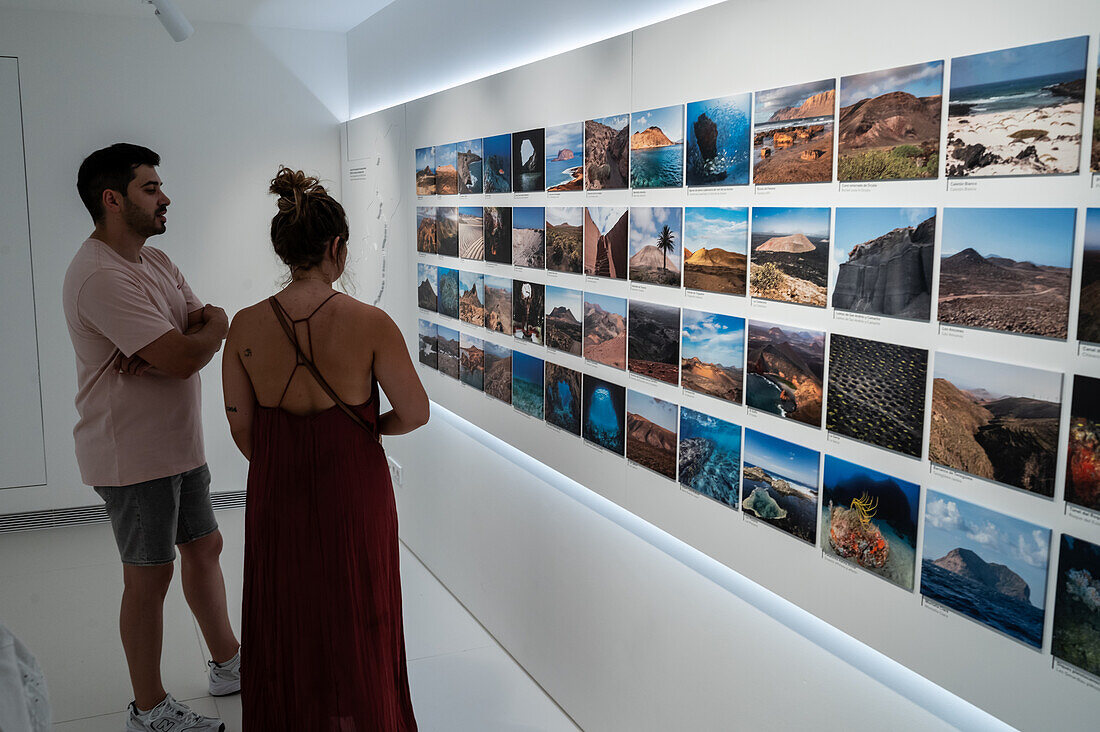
x,y
59,593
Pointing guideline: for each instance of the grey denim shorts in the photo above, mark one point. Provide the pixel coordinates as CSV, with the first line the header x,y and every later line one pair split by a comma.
x,y
150,518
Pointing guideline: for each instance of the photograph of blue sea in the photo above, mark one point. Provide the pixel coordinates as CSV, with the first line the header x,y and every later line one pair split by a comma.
x,y
986,565
779,484
1007,79
710,456
657,148
527,372
604,408
718,143
498,164
565,157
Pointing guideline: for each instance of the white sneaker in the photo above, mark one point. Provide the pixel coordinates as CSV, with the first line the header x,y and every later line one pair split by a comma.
x,y
225,679
171,716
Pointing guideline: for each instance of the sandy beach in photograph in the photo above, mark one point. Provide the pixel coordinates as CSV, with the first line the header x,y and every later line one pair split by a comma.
x,y
1032,141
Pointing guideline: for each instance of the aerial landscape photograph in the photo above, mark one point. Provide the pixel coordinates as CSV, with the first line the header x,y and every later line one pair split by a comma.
x,y
471,367
1017,111
427,276
996,420
1088,316
1083,468
1007,269
448,292
426,240
718,148
425,171
471,233
498,372
712,351
716,249
565,238
428,354
564,308
604,406
468,164
657,148
710,456
605,329
655,251
606,153
446,170
527,374
653,341
528,234
889,125
471,298
876,393
785,371
651,433
446,230
498,304
779,484
986,565
1076,637
565,157
562,402
528,299
497,222
883,261
528,161
606,229
793,134
870,518
447,345
497,166
790,255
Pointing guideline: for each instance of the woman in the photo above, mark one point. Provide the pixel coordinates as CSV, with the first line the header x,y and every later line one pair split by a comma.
x,y
322,596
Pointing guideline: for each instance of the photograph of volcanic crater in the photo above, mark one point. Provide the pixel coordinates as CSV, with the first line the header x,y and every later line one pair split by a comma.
x,y
715,249
793,134
712,351
790,255
785,371
1083,469
653,341
651,433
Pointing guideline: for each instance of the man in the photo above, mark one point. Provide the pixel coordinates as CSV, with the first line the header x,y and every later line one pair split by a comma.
x,y
141,337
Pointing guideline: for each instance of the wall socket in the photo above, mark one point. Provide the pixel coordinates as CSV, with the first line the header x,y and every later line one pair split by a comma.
x,y
396,474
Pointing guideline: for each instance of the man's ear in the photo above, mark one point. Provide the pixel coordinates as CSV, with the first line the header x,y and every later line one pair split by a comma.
x,y
112,200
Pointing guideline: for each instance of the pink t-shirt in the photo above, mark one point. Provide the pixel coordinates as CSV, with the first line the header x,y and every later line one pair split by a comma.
x,y
131,428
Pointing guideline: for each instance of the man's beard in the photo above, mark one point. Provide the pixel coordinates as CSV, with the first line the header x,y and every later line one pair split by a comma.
x,y
141,223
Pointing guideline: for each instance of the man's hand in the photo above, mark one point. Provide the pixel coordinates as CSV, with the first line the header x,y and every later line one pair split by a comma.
x,y
132,366
215,317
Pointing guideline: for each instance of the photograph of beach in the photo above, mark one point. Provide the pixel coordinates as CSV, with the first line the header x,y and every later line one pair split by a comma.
x,y
712,354
468,164
528,161
1076,636
779,484
605,329
715,249
1083,465
1088,314
498,163
657,148
606,230
565,157
793,134
425,171
528,236
786,369
527,374
651,433
607,153
427,352
718,145
710,456
790,255
446,169
655,251
446,230
603,404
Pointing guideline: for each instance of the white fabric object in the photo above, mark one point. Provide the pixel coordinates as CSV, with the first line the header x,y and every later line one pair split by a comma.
x,y
24,701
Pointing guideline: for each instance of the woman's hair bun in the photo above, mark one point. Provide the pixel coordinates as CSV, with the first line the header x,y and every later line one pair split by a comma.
x,y
294,188
307,220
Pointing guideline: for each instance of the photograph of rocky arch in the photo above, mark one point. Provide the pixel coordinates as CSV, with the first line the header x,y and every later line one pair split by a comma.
x,y
446,228
427,241
651,434
446,169
427,276
606,153
1083,465
710,456
790,255
1076,636
718,141
793,134
779,484
468,161
425,171
529,161
657,148
603,404
565,157
428,353
716,249
1088,315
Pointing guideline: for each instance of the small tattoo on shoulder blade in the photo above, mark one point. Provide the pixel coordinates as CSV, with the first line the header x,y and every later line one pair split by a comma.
x,y
231,409
247,352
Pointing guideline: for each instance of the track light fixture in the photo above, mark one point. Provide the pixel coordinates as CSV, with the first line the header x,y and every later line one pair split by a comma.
x,y
173,20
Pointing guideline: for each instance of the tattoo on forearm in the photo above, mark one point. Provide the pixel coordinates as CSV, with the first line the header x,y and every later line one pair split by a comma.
x,y
231,409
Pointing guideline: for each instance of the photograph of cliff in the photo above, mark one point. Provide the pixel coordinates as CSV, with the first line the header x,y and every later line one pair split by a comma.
x,y
603,404
1007,269
427,350
498,163
653,341
427,277
497,223
447,342
1088,315
425,171
710,456
654,248
528,299
529,161
869,518
565,157
1083,465
779,484
793,134
790,255
712,351
471,233
718,147
986,565
1017,111
996,421
446,229
528,236
527,375
446,169
426,241
471,366
657,148
606,229
468,162
884,259
1076,636
785,368
565,238
498,372
606,153
498,304
448,292
716,249
564,308
605,329
471,298
651,433
877,392
889,125
562,400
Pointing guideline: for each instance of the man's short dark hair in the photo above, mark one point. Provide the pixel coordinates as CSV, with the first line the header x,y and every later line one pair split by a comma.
x,y
111,168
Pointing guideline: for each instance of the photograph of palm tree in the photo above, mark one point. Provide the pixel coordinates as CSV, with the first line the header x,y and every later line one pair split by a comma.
x,y
655,236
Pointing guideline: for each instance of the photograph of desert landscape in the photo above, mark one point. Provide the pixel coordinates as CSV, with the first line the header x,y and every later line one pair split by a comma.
x,y
447,344
790,255
785,368
425,171
498,304
876,393
468,162
869,519
471,367
718,148
653,341
1088,315
471,233
716,249
497,222
655,251
562,401
883,261
564,308
564,238
889,126
528,236
606,229
605,329
1076,636
986,565
651,433
427,277
565,157
710,456
446,230
498,372
426,240
779,484
1083,466
996,421
1007,269
604,407
446,169
657,148
448,292
712,351
528,299
793,134
497,166
1017,111
427,352
529,161
471,298
606,153
527,374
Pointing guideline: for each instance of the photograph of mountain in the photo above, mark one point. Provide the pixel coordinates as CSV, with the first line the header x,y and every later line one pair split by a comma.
x,y
446,229
448,292
716,249
889,125
790,255
718,141
497,222
869,518
426,240
712,351
604,407
653,341
606,229
1007,269
651,433
528,299
528,235
565,157
563,319
1076,636
529,161
471,233
498,304
710,456
1088,316
996,421
468,164
428,353
793,134
527,373
498,163
876,393
654,251
1017,111
471,366
605,329
446,169
779,484
606,155
986,565
471,298
498,372
1083,466
562,402
564,238
785,368
427,276
657,148
883,261
447,342
425,171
